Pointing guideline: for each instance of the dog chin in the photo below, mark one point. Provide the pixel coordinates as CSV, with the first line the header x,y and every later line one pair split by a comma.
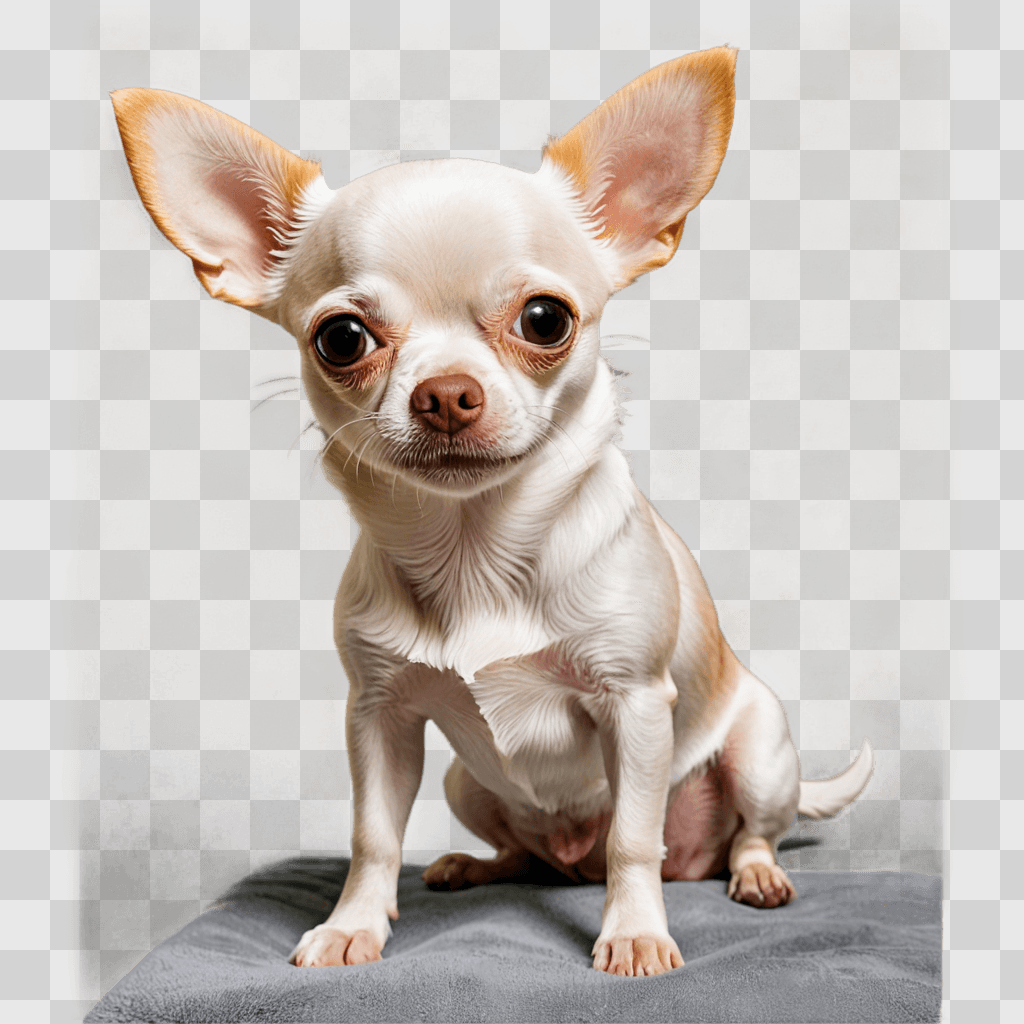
x,y
460,473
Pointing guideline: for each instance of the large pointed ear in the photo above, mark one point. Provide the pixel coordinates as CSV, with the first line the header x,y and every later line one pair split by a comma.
x,y
225,195
648,155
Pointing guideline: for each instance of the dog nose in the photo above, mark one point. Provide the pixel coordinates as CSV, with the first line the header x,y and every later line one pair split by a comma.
x,y
448,403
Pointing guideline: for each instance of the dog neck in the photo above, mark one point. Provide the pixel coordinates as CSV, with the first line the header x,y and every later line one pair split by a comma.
x,y
497,549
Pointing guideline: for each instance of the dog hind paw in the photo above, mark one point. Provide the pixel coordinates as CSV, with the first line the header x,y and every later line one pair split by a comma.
x,y
455,871
762,885
460,870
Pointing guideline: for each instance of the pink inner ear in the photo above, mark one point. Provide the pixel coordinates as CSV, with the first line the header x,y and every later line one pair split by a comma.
x,y
647,184
248,202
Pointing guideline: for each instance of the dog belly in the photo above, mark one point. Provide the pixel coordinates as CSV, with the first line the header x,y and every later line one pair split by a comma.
x,y
699,827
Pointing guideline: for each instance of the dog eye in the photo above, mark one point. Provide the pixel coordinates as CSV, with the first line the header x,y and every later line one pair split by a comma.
x,y
544,321
343,340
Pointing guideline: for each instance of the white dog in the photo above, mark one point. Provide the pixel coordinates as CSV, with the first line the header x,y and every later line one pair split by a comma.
x,y
509,581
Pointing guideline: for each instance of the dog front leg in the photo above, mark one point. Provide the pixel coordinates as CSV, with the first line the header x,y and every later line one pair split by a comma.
x,y
385,750
637,743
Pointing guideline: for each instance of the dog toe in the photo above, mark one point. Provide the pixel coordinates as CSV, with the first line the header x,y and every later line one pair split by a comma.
x,y
325,946
762,885
637,957
449,871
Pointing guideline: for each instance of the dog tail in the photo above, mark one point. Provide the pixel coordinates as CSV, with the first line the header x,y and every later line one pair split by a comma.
x,y
823,798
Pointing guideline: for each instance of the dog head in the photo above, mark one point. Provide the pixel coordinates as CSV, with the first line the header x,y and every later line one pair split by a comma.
x,y
447,311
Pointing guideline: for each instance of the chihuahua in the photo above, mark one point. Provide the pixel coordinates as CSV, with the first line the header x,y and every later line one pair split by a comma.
x,y
509,581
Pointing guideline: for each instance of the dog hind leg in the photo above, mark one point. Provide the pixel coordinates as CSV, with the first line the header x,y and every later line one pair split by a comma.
x,y
764,776
757,879
485,816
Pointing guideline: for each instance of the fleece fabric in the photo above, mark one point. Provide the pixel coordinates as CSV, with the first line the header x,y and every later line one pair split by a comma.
x,y
852,947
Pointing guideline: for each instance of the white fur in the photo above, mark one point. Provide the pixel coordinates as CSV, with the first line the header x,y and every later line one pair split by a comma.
x,y
535,607
825,798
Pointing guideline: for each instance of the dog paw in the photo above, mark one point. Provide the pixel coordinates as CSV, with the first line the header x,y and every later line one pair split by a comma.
x,y
638,956
762,885
327,946
455,871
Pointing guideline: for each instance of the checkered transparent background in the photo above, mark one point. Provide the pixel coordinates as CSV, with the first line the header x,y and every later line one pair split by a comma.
x,y
830,411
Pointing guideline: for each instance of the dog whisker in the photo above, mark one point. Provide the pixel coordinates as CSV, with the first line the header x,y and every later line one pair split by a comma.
x,y
556,447
586,461
359,458
277,394
349,423
553,423
309,426
569,419
360,443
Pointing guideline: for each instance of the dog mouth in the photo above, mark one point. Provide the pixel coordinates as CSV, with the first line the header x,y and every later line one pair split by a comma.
x,y
448,460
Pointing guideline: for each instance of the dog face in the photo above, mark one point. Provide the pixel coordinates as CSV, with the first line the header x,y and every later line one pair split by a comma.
x,y
446,311
447,314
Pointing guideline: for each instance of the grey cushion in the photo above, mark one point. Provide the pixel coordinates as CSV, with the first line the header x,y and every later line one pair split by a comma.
x,y
853,947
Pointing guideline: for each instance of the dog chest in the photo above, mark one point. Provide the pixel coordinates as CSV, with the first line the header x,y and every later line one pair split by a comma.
x,y
522,732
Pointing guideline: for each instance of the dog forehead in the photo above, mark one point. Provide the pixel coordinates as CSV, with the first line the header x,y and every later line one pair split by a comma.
x,y
440,229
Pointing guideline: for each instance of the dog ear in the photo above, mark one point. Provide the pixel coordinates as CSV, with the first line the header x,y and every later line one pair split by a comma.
x,y
225,195
648,155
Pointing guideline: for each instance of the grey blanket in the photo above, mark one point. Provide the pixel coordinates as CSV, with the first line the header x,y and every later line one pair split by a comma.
x,y
853,947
